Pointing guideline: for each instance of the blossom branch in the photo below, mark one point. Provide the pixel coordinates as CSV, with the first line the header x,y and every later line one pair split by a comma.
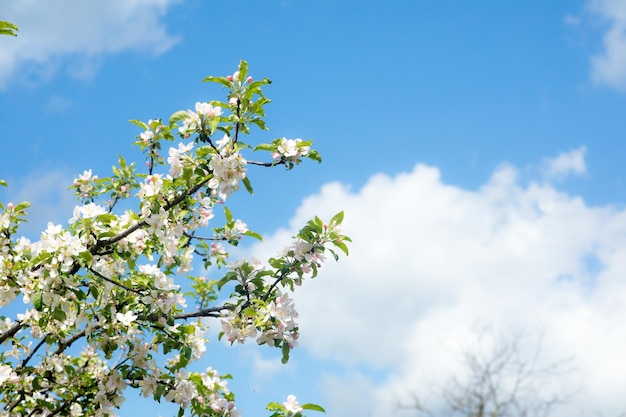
x,y
207,312
10,332
112,281
32,353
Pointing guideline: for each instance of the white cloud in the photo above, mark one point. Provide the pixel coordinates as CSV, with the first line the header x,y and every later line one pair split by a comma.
x,y
74,34
429,260
609,67
566,163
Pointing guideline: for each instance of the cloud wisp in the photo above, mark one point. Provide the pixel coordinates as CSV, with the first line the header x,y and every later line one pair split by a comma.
x,y
566,164
429,260
75,35
609,66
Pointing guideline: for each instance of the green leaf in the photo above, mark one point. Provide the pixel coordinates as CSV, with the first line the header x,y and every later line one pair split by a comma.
x,y
80,294
264,147
139,123
274,406
229,217
185,357
158,393
178,116
21,206
258,83
38,301
58,314
94,291
285,350
342,246
86,256
213,125
246,182
254,235
337,218
314,155
187,329
3,183
313,407
243,70
219,80
8,28
260,123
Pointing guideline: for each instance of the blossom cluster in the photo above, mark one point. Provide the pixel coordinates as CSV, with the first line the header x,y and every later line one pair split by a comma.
x,y
291,149
104,302
85,183
197,121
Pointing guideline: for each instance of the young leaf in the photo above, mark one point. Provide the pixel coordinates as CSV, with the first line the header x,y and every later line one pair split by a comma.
x,y
285,350
8,28
254,235
139,123
219,80
243,70
246,182
264,147
38,301
229,217
337,218
313,407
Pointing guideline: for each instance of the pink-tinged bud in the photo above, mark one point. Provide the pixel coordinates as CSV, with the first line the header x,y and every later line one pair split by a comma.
x,y
230,78
10,206
249,79
148,164
232,101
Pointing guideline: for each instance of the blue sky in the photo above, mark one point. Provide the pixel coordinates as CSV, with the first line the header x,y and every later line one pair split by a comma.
x,y
476,147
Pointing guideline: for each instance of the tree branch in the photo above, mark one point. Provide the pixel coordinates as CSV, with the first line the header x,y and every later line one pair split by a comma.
x,y
207,312
112,281
11,332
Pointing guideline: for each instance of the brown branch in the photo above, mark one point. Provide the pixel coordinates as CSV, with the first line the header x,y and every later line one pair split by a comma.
x,y
191,236
207,312
30,356
101,244
266,164
112,281
11,332
67,343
